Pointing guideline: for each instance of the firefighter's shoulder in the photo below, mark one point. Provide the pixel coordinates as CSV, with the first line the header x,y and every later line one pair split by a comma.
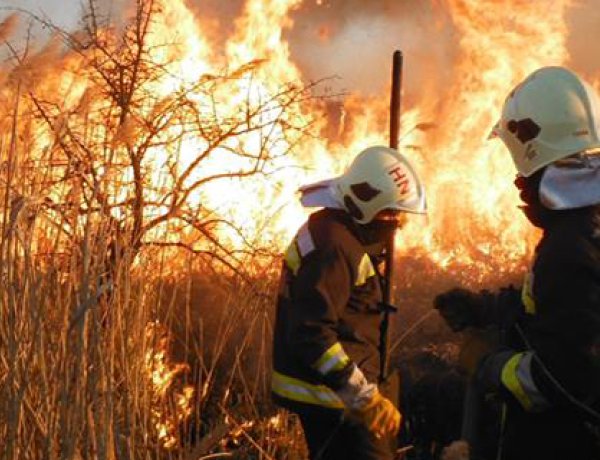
x,y
326,240
330,233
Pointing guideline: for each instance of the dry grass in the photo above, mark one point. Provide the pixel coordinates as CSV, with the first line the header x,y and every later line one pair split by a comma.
x,y
166,359
115,343
87,373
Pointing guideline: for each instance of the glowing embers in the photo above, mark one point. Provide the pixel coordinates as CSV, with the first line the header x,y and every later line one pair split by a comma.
x,y
170,399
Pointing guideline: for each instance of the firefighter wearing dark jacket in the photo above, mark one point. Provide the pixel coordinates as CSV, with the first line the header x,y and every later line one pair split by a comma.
x,y
546,368
329,312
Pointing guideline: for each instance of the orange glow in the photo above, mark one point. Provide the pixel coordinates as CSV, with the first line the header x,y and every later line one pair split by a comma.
x,y
162,375
473,219
473,226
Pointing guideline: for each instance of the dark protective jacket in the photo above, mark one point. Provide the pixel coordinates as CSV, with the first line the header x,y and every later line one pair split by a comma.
x,y
550,373
328,313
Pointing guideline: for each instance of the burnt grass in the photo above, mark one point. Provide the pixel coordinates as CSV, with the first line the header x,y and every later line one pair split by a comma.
x,y
225,340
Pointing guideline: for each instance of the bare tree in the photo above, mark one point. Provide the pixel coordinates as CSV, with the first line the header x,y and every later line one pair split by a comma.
x,y
106,152
131,155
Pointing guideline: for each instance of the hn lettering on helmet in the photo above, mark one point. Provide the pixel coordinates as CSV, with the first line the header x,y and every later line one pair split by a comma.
x,y
400,179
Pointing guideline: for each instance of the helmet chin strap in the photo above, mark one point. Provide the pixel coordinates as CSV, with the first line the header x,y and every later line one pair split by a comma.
x,y
534,210
376,231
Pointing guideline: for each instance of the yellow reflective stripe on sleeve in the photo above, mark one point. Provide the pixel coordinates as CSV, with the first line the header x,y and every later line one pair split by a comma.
x,y
292,258
334,359
527,294
538,401
365,270
300,391
511,381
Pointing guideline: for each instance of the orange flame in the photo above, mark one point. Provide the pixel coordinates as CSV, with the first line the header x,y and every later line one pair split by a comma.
x,y
161,373
472,220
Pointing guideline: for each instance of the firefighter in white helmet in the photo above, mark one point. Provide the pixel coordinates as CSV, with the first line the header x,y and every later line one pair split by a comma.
x,y
547,370
329,312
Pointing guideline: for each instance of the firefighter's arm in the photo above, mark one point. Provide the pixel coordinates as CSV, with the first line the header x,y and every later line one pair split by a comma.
x,y
552,372
558,368
511,373
560,358
320,294
461,308
493,366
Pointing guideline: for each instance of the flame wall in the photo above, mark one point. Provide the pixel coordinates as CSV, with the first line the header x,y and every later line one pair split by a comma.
x,y
461,58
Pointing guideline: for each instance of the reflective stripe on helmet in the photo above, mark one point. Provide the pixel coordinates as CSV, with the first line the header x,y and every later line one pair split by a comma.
x,y
365,270
300,391
334,359
516,377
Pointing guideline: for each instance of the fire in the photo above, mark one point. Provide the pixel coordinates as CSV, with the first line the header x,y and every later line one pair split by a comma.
x,y
472,54
472,217
470,181
162,374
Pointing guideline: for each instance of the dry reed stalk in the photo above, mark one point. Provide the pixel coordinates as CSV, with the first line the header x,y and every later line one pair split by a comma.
x,y
6,253
73,381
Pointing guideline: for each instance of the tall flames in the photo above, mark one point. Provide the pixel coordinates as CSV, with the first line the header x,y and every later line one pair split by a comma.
x,y
472,222
472,216
472,219
469,178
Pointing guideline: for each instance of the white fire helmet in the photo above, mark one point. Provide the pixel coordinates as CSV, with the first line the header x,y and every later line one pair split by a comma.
x,y
551,115
379,178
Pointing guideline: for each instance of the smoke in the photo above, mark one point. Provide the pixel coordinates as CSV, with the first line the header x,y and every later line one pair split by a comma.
x,y
25,22
584,23
217,17
354,40
8,26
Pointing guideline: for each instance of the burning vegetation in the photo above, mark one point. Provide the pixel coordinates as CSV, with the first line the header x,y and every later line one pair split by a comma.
x,y
149,168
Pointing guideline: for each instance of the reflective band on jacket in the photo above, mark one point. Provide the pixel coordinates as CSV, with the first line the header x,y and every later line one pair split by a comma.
x,y
334,359
365,270
292,258
300,391
304,240
300,247
517,378
527,294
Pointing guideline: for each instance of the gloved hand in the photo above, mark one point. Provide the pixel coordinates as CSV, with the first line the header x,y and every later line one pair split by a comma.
x,y
460,308
379,415
477,344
